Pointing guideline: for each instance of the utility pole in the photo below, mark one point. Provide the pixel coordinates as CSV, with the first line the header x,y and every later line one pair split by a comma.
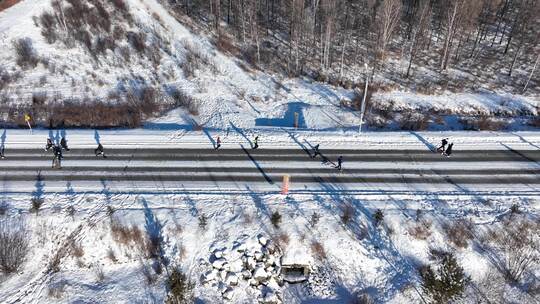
x,y
363,106
532,72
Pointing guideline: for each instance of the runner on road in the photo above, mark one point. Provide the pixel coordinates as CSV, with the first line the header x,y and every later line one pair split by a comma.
x,y
63,143
49,144
256,142
316,151
99,151
339,162
444,142
449,150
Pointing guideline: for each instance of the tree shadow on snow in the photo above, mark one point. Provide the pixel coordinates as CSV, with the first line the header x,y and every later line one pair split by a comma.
x,y
154,228
288,118
400,270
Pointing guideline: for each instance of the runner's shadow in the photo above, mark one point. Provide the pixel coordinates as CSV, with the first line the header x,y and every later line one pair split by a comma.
x,y
430,146
212,141
3,139
526,141
266,177
239,131
97,137
293,136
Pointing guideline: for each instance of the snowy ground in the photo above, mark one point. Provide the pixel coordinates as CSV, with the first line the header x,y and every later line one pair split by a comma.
x,y
75,255
358,257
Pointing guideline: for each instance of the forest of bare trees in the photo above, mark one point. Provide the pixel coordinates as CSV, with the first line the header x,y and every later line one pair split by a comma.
x,y
332,40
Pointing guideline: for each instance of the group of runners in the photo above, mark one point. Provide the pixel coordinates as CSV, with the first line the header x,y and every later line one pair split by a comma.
x,y
445,149
58,148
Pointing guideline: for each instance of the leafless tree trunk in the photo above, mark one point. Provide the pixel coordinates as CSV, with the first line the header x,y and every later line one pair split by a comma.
x,y
387,20
452,16
420,31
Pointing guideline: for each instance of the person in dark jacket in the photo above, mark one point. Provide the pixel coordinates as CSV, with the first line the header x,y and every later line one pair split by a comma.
x,y
57,160
49,144
448,150
99,150
218,143
256,142
316,151
63,144
339,162
2,149
441,148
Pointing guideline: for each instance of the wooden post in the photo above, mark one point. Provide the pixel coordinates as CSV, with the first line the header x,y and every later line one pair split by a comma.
x,y
285,184
296,120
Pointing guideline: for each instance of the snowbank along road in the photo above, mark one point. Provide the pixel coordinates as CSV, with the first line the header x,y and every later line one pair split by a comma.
x,y
132,166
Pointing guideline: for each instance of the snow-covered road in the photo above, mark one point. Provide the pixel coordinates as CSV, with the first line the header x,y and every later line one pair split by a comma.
x,y
156,161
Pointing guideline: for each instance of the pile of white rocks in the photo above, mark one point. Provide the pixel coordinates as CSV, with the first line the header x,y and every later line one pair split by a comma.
x,y
248,263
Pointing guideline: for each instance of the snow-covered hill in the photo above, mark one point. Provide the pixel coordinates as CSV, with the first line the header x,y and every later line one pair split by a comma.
x,y
134,54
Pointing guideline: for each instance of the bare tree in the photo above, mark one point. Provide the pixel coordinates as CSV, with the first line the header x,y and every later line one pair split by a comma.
x,y
13,245
388,17
420,30
454,10
519,245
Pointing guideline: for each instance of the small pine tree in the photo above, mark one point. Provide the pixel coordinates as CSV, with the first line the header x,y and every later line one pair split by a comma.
x,y
378,217
36,204
315,217
203,221
276,219
446,282
180,288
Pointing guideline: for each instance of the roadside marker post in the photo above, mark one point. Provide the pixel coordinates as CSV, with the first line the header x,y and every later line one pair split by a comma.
x,y
285,184
296,120
27,118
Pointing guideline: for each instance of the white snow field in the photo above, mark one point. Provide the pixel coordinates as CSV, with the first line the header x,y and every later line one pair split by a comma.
x,y
111,230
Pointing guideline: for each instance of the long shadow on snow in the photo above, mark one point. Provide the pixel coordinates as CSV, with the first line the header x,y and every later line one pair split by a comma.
x,y
288,117
266,177
382,246
205,130
3,139
239,131
430,146
39,186
519,136
154,230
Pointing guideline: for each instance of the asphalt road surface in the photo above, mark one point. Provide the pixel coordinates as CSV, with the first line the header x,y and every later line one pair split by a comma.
x,y
132,169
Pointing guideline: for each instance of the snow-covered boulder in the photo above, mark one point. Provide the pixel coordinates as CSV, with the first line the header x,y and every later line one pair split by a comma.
x,y
223,274
258,256
250,263
210,276
270,260
231,279
218,254
228,294
260,274
240,247
219,263
262,240
246,274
